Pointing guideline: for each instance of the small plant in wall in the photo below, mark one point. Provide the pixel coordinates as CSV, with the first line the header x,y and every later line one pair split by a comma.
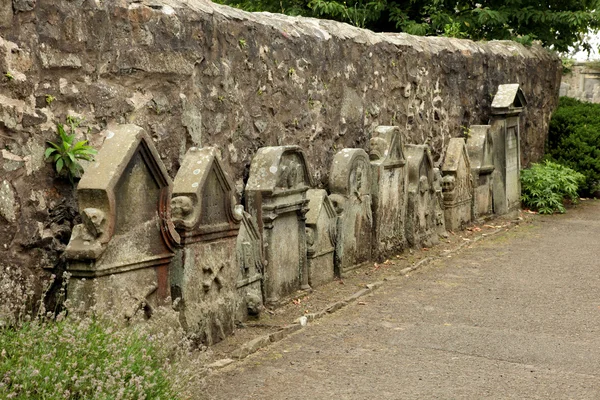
x,y
66,153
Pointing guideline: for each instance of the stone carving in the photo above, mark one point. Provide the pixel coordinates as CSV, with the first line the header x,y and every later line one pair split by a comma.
x,y
126,240
276,196
480,148
204,276
506,109
389,190
251,266
321,221
350,187
422,220
457,185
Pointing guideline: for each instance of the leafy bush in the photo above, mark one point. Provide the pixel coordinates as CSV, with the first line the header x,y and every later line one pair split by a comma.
x,y
544,187
66,153
574,140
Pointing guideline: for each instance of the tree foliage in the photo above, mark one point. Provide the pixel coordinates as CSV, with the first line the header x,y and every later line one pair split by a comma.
x,y
559,24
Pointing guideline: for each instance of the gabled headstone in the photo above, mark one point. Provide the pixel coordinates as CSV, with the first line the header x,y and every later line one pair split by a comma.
x,y
321,221
205,276
276,197
480,148
350,188
457,185
119,256
251,266
506,109
422,217
389,190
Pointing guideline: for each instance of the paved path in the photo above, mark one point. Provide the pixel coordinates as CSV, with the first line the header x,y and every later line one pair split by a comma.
x,y
514,317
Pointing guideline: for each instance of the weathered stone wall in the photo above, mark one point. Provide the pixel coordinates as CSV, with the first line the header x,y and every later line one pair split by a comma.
x,y
582,83
195,73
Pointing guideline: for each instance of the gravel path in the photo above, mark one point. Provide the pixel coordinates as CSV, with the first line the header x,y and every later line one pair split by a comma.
x,y
516,316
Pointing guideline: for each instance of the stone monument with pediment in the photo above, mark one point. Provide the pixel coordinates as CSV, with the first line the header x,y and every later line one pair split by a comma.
x,y
422,218
119,256
388,190
480,148
205,275
321,224
507,106
276,197
350,188
457,185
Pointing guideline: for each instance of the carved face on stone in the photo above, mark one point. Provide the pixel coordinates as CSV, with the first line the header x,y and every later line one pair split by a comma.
x,y
378,148
93,220
448,183
310,237
181,207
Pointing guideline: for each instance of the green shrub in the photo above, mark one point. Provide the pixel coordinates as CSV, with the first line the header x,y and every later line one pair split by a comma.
x,y
544,187
81,358
574,140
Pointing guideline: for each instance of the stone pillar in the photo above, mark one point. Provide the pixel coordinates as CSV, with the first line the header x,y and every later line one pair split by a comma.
x,y
506,109
422,212
205,276
481,154
276,196
388,191
350,188
119,256
457,185
321,225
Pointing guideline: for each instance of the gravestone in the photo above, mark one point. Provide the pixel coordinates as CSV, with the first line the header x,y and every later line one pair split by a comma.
x,y
389,190
321,224
480,148
350,188
422,212
457,185
205,275
506,109
119,256
251,266
276,197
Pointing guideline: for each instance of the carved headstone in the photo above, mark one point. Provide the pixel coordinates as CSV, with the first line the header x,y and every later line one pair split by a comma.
x,y
276,196
479,146
350,188
119,256
506,109
422,216
457,185
251,266
205,276
389,190
321,221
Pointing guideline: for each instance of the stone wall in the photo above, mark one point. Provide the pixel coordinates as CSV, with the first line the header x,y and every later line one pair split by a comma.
x,y
582,83
193,73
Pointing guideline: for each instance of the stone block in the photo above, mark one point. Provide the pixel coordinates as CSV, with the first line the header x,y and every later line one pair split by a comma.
x,y
480,148
206,274
457,185
276,197
350,188
126,241
423,203
389,190
321,220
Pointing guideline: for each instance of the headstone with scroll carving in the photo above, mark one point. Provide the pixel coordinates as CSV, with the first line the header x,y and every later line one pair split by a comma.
x,y
276,197
205,276
422,201
350,188
480,148
389,190
119,255
507,106
457,185
321,221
